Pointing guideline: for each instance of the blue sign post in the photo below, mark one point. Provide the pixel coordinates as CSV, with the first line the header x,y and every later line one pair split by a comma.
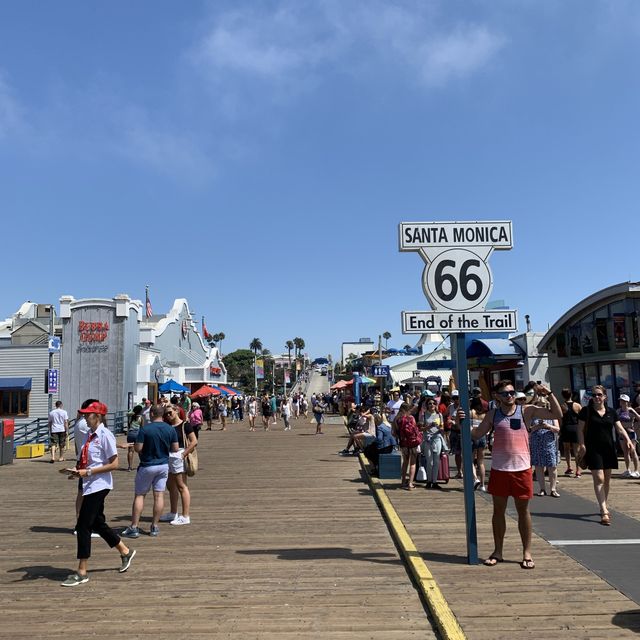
x,y
457,281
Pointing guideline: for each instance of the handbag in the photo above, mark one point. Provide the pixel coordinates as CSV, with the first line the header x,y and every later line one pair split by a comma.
x,y
191,460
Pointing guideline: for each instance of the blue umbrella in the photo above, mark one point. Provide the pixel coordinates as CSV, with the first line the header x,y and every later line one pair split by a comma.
x,y
171,385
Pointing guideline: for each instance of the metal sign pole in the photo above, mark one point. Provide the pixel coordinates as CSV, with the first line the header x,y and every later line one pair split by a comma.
x,y
467,452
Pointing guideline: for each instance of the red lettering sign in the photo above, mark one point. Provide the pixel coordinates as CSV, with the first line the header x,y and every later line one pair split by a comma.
x,y
93,331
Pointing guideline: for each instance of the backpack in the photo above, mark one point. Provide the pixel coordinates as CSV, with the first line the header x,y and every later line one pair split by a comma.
x,y
409,434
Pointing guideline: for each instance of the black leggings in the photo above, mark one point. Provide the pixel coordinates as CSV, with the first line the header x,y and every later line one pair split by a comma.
x,y
92,518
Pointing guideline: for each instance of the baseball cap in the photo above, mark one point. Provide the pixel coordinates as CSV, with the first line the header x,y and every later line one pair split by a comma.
x,y
625,397
520,395
455,393
95,407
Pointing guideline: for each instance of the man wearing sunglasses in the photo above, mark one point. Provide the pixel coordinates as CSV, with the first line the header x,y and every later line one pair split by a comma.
x,y
511,473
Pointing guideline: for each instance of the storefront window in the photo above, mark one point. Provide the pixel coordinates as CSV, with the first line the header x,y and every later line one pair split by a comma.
x,y
573,334
577,377
591,375
635,329
606,375
587,336
623,379
14,403
602,335
561,344
619,331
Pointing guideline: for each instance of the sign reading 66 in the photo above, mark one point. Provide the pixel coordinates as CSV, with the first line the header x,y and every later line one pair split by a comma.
x,y
458,280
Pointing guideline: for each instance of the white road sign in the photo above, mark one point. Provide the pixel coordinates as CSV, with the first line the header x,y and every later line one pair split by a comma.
x,y
418,235
493,321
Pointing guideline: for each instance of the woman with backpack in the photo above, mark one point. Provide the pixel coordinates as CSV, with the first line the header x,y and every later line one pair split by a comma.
x,y
405,429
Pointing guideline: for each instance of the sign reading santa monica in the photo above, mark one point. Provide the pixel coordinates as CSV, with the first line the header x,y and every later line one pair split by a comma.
x,y
457,279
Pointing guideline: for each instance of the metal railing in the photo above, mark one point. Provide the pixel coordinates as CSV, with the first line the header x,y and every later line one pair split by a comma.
x,y
36,431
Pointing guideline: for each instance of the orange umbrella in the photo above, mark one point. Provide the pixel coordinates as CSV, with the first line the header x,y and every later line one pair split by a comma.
x,y
204,392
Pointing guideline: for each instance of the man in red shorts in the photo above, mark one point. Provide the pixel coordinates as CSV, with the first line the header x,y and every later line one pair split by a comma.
x,y
511,473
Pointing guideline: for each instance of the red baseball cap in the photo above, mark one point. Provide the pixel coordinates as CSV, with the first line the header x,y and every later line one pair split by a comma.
x,y
95,407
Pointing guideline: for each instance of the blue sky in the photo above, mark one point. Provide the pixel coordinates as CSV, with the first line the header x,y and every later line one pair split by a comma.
x,y
257,157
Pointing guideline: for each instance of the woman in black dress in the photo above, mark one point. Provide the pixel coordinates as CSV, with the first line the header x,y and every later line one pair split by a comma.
x,y
596,424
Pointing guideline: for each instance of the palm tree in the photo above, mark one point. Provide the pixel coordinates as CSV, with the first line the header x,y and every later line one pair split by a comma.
x,y
386,335
255,346
221,337
289,345
265,352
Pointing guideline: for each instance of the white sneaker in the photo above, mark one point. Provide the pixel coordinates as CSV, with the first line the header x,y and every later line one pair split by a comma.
x,y
180,520
635,474
483,489
168,517
626,474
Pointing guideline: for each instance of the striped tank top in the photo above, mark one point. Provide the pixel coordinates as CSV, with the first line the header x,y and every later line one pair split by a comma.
x,y
510,442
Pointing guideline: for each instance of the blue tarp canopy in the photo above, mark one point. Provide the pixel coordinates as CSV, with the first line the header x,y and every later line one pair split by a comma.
x,y
171,385
18,384
224,392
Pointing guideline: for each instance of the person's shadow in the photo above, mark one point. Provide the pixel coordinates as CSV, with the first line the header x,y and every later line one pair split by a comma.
x,y
46,572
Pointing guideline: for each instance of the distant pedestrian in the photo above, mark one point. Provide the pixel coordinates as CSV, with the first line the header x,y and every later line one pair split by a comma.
x,y
569,430
319,409
596,425
98,458
196,418
285,412
58,432
406,431
265,406
252,409
628,417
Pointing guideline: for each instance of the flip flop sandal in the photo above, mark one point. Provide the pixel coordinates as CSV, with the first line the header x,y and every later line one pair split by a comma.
x,y
528,563
605,519
492,561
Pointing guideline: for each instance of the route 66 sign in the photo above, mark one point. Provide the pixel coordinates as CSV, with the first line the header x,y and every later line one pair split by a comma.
x,y
457,278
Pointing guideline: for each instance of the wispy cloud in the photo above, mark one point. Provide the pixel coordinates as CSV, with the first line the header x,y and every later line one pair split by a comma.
x,y
12,118
296,40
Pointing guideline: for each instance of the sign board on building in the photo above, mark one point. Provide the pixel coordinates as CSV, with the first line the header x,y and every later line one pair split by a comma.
x,y
494,321
380,371
51,380
54,344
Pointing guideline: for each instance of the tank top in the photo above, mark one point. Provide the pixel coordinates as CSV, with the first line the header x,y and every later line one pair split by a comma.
x,y
569,417
625,419
510,442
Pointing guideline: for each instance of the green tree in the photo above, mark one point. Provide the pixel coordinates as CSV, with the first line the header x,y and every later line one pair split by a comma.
x,y
289,345
255,346
239,366
386,335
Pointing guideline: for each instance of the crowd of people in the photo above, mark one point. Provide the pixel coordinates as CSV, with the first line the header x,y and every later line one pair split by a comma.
x,y
526,431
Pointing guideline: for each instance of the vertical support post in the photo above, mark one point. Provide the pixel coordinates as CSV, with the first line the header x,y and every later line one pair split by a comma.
x,y
51,335
255,375
467,453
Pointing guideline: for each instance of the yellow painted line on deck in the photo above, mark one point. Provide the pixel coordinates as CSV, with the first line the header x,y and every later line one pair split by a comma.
x,y
445,620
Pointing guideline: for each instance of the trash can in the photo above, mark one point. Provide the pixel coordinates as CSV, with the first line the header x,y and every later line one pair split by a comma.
x,y
6,444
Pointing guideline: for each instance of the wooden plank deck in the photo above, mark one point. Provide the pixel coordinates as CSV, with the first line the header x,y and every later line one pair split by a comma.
x,y
559,599
286,542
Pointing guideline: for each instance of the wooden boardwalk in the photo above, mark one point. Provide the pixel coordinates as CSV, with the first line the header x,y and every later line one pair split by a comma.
x,y
286,542
559,599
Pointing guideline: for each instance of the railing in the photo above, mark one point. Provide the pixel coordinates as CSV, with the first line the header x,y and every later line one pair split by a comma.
x,y
37,430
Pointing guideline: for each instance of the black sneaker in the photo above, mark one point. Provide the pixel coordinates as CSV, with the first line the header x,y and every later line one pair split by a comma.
x,y
126,560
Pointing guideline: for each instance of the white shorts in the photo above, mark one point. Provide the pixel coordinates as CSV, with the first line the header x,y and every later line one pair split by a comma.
x,y
176,462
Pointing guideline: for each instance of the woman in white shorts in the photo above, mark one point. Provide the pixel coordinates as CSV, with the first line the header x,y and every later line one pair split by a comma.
x,y
252,408
177,482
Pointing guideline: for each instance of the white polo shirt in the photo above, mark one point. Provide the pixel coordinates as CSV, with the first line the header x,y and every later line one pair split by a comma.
x,y
101,449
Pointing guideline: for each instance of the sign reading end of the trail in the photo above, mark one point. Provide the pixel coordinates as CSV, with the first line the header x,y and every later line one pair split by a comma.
x,y
466,321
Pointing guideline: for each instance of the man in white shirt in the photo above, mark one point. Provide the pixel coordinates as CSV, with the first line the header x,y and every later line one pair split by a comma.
x,y
58,425
394,405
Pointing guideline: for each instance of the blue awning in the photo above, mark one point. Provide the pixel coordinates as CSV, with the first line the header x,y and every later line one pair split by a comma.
x,y
15,384
494,348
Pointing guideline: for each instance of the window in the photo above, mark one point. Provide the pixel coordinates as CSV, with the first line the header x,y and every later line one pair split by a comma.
x,y
14,402
591,375
577,377
623,379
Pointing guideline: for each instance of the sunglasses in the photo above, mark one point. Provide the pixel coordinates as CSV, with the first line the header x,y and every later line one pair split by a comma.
x,y
598,395
506,394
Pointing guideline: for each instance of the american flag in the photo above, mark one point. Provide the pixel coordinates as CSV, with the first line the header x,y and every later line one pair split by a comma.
x,y
205,333
148,308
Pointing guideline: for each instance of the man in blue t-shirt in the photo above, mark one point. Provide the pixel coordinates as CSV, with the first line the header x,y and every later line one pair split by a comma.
x,y
154,443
